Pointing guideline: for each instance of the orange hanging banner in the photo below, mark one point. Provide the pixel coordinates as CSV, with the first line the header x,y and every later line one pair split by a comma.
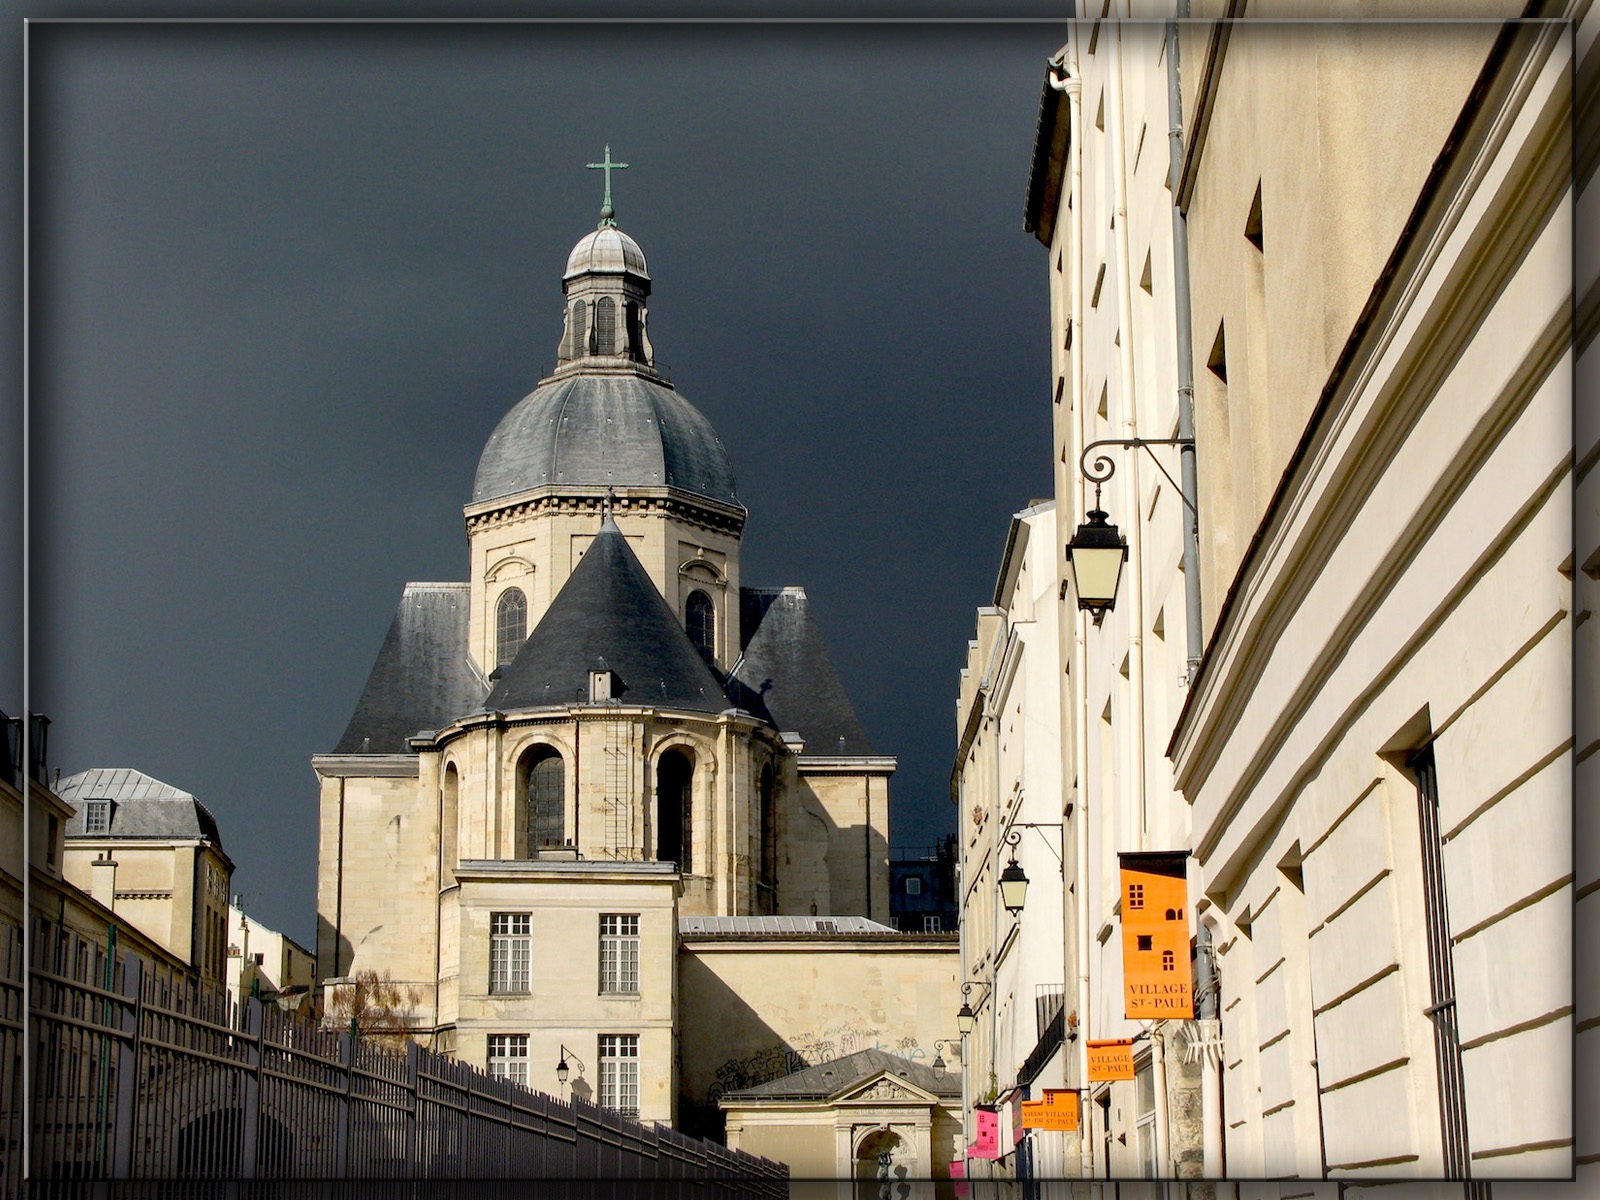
x,y
1110,1060
1058,1111
1158,981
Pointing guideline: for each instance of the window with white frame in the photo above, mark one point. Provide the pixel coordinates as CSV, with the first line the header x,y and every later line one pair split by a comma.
x,y
97,816
619,954
913,886
619,1072
508,1057
1144,1085
509,952
932,924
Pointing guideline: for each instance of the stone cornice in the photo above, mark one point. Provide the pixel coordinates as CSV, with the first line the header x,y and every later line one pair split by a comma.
x,y
847,764
576,499
392,766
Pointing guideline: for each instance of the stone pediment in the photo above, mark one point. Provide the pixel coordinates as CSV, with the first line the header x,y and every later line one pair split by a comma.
x,y
884,1088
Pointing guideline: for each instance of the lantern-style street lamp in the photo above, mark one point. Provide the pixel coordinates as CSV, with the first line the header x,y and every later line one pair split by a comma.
x,y
1095,557
1013,888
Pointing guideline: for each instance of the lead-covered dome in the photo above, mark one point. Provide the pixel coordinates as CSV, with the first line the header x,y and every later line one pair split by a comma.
x,y
607,249
606,430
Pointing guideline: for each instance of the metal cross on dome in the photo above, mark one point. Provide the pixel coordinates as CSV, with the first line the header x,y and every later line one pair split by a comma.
x,y
607,213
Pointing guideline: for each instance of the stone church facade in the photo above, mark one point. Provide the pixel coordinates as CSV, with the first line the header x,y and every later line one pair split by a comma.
x,y
600,734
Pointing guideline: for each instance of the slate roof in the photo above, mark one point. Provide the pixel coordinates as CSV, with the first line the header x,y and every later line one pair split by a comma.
x,y
609,615
830,1078
787,674
423,678
142,806
616,429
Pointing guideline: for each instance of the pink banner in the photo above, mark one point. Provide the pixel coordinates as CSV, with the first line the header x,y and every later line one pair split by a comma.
x,y
987,1142
958,1172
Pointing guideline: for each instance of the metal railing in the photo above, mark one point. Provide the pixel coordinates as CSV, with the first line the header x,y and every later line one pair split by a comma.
x,y
134,1077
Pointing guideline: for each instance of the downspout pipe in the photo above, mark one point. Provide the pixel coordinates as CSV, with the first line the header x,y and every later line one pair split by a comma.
x,y
1189,474
1066,78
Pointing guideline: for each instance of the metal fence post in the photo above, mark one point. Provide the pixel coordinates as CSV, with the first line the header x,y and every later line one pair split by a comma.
x,y
341,1144
414,1129
127,1070
250,1102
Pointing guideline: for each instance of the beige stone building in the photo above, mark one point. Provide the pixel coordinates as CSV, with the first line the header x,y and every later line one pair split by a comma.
x,y
151,854
865,1122
1006,786
265,963
34,882
602,734
1366,741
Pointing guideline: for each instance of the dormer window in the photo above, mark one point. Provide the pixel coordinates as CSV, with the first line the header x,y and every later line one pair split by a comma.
x,y
97,816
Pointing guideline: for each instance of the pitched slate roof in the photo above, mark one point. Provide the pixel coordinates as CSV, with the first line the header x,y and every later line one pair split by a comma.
x,y
609,615
141,806
831,1078
423,678
787,674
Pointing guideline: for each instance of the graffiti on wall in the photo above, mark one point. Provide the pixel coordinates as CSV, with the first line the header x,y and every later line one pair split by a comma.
x,y
808,1050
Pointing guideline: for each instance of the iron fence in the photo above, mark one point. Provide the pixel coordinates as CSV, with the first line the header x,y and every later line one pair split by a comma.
x,y
134,1077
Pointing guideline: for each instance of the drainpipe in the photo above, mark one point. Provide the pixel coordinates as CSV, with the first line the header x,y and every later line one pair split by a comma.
x,y
1071,82
1206,989
1194,632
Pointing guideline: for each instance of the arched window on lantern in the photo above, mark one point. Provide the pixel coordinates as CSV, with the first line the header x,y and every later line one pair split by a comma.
x,y
605,325
578,330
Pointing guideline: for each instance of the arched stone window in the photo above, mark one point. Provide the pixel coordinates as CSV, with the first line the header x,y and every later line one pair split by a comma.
x,y
510,625
605,325
449,815
674,811
768,877
700,618
544,779
578,333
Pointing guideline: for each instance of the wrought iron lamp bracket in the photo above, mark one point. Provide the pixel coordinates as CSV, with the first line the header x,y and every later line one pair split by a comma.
x,y
1014,838
1104,467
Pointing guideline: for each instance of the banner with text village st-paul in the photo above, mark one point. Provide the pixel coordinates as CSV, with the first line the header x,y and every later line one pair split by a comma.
x,y
1158,981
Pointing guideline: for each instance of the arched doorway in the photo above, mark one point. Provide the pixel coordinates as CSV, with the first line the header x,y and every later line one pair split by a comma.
x,y
674,810
885,1165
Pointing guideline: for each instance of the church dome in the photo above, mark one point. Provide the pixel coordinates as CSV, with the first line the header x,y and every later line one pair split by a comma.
x,y
614,429
606,249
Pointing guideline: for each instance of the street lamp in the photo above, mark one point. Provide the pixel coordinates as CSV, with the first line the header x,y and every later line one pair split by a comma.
x,y
1013,888
1095,556
562,1070
966,1019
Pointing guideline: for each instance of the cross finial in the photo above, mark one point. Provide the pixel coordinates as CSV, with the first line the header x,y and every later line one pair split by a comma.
x,y
607,213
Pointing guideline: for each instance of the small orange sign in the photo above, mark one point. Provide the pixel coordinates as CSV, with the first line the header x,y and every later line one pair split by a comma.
x,y
1110,1060
1158,981
1058,1111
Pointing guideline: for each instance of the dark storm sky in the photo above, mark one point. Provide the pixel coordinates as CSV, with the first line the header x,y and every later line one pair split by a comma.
x,y
288,278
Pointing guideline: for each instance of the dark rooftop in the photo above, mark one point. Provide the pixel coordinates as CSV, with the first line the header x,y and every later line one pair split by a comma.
x,y
788,674
609,615
841,1074
423,678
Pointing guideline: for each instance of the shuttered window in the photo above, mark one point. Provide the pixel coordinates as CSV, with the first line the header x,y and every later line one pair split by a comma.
x,y
605,325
